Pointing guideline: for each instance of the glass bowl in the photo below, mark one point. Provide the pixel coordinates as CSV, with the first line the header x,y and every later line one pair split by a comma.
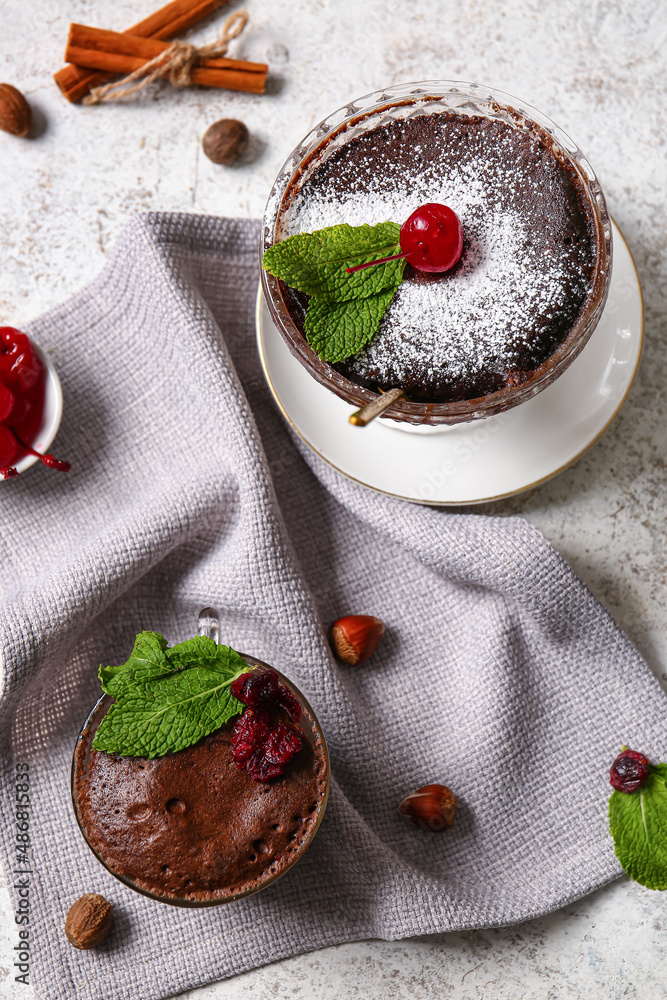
x,y
433,97
312,731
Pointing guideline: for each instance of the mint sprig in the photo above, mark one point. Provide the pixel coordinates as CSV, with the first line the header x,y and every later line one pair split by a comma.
x,y
336,330
166,698
345,310
638,825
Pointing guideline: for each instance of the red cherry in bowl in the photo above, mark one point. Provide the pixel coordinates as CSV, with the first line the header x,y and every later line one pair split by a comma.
x,y
6,401
432,238
8,447
30,405
19,365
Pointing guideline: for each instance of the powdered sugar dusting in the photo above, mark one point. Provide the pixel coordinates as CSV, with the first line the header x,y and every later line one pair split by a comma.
x,y
492,315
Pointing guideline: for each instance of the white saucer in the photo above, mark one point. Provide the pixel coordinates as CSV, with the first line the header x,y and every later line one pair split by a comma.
x,y
486,459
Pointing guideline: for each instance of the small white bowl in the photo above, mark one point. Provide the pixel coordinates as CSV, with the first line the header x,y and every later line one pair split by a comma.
x,y
53,411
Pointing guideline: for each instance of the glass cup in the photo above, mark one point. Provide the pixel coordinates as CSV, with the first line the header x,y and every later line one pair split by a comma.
x,y
405,101
312,732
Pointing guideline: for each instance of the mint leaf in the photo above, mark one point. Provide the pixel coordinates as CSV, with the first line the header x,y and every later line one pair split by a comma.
x,y
168,698
638,824
147,659
345,310
336,330
315,263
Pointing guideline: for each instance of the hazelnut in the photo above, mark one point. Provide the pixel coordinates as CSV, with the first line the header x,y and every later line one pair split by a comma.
x,y
432,807
356,637
225,141
15,112
88,921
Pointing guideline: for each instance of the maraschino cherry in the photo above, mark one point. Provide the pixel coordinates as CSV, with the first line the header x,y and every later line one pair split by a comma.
x,y
22,400
8,447
431,240
6,401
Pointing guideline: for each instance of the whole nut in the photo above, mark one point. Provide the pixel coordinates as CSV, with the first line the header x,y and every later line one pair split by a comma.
x,y
356,637
225,141
432,807
15,112
88,921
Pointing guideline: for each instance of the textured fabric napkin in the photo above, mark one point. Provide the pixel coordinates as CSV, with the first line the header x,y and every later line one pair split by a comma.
x,y
500,674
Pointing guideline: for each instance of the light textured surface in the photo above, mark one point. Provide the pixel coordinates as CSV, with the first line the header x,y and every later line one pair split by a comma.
x,y
597,69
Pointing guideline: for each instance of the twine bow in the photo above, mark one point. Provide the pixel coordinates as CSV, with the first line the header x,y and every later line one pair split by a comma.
x,y
174,64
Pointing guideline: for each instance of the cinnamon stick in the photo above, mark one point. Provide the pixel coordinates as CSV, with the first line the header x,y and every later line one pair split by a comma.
x,y
168,22
113,52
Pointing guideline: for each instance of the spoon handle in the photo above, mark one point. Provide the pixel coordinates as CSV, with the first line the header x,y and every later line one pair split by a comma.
x,y
208,624
377,406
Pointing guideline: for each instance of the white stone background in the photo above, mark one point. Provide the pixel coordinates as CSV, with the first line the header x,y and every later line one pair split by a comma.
x,y
598,68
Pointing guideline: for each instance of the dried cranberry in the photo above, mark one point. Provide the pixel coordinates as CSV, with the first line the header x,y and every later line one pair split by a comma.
x,y
285,698
629,771
237,685
283,743
256,688
259,743
249,733
261,687
260,769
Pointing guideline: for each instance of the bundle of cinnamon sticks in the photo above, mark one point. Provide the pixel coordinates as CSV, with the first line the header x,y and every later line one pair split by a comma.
x,y
95,55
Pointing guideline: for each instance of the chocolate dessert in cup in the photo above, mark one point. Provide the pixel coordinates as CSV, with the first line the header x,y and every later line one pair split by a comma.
x,y
533,277
192,828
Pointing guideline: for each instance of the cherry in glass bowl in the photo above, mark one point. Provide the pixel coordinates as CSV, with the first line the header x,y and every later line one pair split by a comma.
x,y
368,113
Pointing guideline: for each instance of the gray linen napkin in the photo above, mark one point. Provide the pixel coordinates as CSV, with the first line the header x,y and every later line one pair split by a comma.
x,y
500,674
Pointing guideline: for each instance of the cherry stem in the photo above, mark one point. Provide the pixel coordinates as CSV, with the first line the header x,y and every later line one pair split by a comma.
x,y
372,263
48,459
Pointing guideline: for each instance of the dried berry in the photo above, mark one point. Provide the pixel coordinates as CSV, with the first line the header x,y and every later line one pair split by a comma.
x,y
15,112
260,743
257,688
238,684
629,771
432,807
88,921
356,637
225,141
249,734
283,743
285,698
260,769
